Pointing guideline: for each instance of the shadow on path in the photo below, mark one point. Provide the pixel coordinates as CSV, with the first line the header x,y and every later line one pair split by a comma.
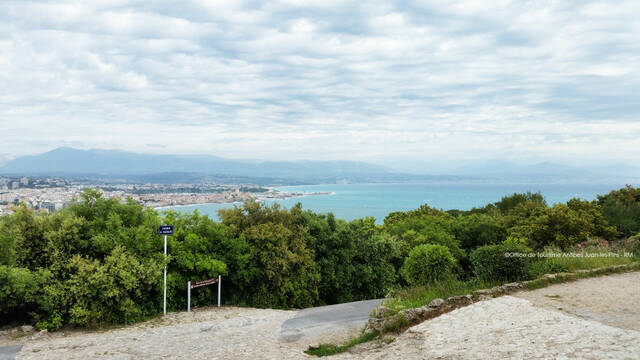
x,y
328,319
9,352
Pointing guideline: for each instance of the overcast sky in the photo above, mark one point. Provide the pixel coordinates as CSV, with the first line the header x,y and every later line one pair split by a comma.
x,y
396,83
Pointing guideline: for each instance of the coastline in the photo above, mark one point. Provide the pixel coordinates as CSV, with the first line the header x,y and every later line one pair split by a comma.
x,y
275,195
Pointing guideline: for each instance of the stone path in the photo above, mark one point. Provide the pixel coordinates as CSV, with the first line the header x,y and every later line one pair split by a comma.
x,y
529,325
612,300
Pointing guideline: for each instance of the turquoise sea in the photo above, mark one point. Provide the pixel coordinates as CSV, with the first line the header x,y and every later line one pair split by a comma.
x,y
353,201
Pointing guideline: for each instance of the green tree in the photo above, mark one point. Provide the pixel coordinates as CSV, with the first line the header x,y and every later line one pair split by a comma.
x,y
282,271
621,208
427,263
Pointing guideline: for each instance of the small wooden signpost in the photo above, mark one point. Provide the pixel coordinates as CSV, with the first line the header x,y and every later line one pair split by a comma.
x,y
198,284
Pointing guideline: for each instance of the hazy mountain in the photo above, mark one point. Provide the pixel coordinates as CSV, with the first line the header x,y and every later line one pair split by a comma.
x,y
548,172
499,167
4,158
112,162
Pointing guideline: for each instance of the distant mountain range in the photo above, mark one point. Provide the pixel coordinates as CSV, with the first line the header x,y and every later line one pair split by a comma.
x,y
121,166
544,170
69,161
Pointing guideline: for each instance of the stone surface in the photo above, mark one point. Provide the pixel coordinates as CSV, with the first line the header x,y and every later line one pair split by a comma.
x,y
26,328
461,300
436,303
612,299
507,328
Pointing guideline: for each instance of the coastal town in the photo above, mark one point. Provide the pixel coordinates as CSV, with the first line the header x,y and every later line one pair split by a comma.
x,y
48,194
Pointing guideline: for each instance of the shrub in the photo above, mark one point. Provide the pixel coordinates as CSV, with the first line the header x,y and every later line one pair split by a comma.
x,y
621,208
562,225
497,262
476,230
282,271
20,289
121,289
427,264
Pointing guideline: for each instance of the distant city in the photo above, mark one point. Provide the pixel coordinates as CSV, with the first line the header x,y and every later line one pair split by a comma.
x,y
48,194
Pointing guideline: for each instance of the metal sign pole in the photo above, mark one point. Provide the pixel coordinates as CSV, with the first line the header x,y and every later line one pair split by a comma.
x,y
188,296
219,287
165,276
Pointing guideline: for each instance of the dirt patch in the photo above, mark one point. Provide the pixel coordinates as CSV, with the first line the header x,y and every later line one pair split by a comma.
x,y
611,300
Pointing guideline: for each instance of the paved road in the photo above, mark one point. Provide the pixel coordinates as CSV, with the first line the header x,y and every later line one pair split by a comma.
x,y
321,320
9,352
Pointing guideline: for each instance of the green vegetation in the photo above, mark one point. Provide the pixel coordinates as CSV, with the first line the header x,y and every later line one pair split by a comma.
x,y
99,262
426,264
622,209
502,262
413,297
330,349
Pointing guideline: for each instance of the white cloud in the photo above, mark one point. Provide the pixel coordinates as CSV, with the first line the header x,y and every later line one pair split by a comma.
x,y
323,80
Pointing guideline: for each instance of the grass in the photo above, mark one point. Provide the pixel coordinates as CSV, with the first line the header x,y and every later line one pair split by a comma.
x,y
330,349
408,298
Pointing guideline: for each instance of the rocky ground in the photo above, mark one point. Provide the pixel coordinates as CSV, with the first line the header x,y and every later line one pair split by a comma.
x,y
588,319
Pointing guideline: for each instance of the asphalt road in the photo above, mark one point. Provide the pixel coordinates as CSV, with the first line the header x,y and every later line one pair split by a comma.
x,y
321,320
9,352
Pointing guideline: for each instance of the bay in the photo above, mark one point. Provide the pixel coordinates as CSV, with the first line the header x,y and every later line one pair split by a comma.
x,y
351,201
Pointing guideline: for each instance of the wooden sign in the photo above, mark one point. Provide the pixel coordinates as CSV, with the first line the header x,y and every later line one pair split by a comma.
x,y
204,283
196,284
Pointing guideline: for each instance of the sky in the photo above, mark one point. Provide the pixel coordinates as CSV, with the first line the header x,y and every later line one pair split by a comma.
x,y
408,84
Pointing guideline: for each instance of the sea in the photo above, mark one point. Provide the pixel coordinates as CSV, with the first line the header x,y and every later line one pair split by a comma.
x,y
352,201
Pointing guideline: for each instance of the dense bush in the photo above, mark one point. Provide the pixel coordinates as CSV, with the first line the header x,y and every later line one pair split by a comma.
x,y
476,230
20,291
427,263
120,289
498,263
562,225
621,208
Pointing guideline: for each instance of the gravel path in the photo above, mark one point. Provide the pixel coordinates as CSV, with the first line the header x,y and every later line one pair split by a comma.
x,y
528,325
611,300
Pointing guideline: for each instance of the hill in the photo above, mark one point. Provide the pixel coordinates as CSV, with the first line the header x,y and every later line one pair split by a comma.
x,y
69,161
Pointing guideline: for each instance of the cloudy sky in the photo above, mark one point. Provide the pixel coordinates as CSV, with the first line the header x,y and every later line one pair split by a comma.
x,y
405,83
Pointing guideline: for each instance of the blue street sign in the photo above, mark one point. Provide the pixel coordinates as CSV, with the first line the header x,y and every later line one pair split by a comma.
x,y
165,230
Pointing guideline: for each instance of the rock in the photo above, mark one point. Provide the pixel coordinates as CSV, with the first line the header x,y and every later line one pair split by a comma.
x,y
374,325
412,315
497,291
484,297
382,312
40,334
460,300
482,292
430,313
512,287
436,303
26,328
